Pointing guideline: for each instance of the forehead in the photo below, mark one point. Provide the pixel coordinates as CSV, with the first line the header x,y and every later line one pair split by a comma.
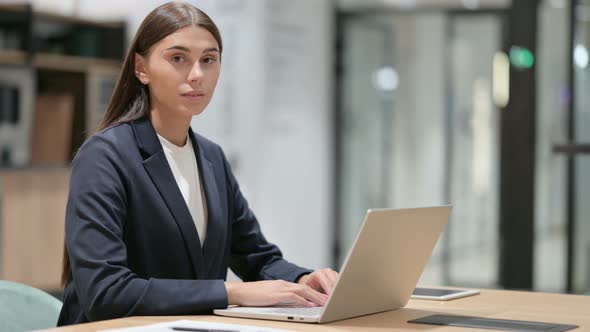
x,y
193,37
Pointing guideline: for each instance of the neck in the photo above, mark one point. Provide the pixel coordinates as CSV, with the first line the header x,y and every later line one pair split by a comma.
x,y
173,128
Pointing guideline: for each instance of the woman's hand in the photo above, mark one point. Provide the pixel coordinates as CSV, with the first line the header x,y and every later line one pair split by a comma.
x,y
273,292
321,280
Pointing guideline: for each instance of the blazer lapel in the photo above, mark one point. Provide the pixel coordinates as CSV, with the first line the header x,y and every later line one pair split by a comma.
x,y
156,165
215,231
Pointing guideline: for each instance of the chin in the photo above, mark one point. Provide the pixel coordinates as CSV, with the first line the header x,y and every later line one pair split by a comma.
x,y
193,109
195,112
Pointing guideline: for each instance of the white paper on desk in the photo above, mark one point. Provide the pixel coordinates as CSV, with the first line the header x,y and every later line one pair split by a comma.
x,y
161,327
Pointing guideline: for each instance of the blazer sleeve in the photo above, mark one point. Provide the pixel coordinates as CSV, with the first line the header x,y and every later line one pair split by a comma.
x,y
252,256
95,221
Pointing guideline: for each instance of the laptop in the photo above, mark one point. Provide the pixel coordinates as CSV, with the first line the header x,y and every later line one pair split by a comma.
x,y
379,273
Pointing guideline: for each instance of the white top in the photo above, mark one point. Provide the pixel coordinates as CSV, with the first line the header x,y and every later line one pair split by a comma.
x,y
184,166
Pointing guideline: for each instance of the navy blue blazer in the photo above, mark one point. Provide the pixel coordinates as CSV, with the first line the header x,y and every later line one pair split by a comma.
x,y
133,247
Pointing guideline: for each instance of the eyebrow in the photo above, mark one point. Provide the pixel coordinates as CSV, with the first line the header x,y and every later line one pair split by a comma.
x,y
186,49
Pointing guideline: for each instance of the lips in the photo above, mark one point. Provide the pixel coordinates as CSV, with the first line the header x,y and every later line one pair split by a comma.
x,y
193,94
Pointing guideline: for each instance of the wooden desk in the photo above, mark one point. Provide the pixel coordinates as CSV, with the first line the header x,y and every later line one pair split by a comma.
x,y
543,307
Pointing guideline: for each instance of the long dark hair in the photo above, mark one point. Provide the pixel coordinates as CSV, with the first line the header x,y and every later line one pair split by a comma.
x,y
130,100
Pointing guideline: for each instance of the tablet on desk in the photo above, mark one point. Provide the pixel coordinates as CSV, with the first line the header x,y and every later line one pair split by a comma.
x,y
442,294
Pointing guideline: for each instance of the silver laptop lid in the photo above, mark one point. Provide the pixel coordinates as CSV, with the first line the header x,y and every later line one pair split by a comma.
x,y
385,261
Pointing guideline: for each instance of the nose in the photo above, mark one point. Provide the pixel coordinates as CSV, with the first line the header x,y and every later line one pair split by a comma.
x,y
196,73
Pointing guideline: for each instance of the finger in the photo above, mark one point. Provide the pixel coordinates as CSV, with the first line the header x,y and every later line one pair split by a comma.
x,y
325,282
313,281
292,298
333,276
312,295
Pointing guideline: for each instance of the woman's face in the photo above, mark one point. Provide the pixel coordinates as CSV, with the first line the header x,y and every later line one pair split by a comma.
x,y
181,71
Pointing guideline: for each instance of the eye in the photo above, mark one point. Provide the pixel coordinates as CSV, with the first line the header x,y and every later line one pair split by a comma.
x,y
209,60
177,58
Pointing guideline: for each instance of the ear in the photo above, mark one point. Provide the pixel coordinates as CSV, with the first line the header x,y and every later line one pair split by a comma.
x,y
140,69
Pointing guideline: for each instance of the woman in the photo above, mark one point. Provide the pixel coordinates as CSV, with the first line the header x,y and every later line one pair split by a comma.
x,y
155,216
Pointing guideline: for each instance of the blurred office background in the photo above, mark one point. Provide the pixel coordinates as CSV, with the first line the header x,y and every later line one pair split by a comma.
x,y
326,109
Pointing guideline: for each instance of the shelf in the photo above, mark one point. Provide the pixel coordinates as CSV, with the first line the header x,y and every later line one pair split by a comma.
x,y
15,8
58,61
72,63
46,53
77,20
13,57
51,16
